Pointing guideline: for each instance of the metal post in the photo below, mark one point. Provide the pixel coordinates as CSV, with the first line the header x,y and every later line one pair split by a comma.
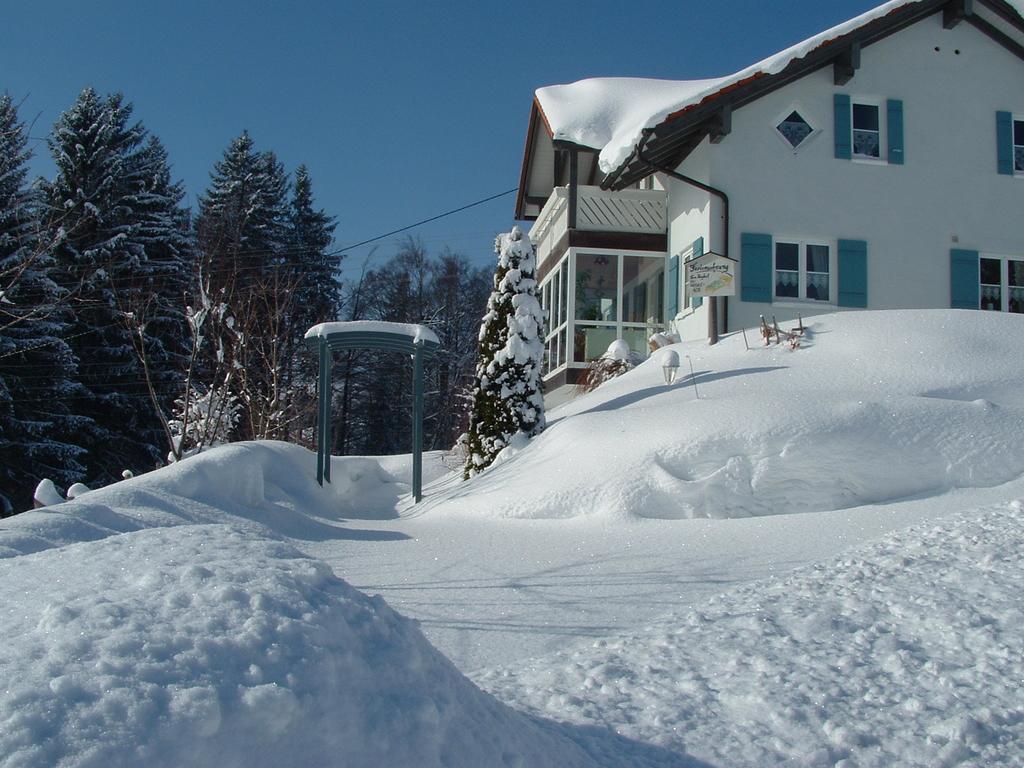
x,y
328,390
693,378
322,408
417,424
713,320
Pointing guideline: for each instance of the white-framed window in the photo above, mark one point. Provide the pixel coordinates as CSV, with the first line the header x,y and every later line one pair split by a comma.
x,y
616,295
554,291
795,127
803,270
868,129
1002,283
1018,144
687,301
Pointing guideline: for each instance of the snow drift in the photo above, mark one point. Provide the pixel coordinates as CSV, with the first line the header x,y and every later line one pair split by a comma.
x,y
166,621
905,651
170,619
266,487
872,407
200,645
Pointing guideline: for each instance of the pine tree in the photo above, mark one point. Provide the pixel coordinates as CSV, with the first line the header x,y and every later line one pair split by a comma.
x,y
157,298
459,294
508,398
399,294
37,430
244,237
312,274
312,231
242,226
109,207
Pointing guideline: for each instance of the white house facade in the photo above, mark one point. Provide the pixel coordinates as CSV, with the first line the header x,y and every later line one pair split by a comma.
x,y
878,165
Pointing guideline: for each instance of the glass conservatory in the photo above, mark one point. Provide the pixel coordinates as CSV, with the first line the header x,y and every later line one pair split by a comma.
x,y
595,296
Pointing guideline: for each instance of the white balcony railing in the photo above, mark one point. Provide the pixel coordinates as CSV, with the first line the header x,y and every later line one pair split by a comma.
x,y
629,210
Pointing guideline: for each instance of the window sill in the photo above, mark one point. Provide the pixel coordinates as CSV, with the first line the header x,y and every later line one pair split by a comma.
x,y
868,161
801,303
554,372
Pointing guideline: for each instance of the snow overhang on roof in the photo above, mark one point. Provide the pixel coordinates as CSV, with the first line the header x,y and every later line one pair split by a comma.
x,y
615,116
414,333
606,111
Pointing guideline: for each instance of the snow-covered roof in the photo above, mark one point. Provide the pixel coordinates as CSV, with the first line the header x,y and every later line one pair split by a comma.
x,y
611,113
600,110
417,333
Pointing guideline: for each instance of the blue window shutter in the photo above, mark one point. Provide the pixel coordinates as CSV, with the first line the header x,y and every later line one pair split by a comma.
x,y
698,250
672,305
843,127
894,124
964,279
755,267
1004,142
853,273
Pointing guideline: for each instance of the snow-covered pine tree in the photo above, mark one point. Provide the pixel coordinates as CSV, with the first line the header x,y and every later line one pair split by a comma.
x,y
508,398
243,238
95,221
312,232
242,226
37,430
459,294
313,274
397,292
163,278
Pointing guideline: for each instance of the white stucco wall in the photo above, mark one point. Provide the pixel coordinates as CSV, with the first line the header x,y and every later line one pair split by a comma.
x,y
689,212
946,195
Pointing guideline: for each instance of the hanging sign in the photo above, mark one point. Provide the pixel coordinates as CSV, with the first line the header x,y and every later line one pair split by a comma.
x,y
711,275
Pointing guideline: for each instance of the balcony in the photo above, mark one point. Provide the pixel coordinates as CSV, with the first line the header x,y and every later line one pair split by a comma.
x,y
629,211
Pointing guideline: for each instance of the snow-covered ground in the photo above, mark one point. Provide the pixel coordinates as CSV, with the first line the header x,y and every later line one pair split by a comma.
x,y
814,563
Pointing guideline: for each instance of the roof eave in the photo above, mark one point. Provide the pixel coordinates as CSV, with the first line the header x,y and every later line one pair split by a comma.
x,y
536,113
677,128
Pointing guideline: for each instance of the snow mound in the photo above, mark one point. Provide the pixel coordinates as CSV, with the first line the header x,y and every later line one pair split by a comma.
x,y
903,652
199,645
872,407
165,621
268,487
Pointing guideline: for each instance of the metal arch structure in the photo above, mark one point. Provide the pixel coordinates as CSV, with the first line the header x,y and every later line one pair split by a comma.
x,y
416,341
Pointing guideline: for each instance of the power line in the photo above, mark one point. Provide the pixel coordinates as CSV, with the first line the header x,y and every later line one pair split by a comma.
x,y
425,221
285,251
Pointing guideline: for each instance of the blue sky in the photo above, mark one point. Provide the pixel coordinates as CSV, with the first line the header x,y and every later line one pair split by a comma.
x,y
401,110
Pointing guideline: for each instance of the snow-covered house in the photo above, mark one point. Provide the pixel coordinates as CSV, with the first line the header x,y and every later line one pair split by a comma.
x,y
879,164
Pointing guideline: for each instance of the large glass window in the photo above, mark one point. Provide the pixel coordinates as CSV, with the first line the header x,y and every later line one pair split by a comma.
x,y
643,280
597,287
553,295
563,291
802,270
603,297
592,341
1002,284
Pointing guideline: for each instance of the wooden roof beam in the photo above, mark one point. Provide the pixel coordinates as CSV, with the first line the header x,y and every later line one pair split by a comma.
x,y
846,64
956,11
559,170
721,124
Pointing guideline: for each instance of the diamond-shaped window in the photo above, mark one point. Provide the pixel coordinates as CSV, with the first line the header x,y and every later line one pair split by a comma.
x,y
794,129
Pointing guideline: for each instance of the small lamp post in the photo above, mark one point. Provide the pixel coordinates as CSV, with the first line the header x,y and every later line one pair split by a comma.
x,y
670,365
